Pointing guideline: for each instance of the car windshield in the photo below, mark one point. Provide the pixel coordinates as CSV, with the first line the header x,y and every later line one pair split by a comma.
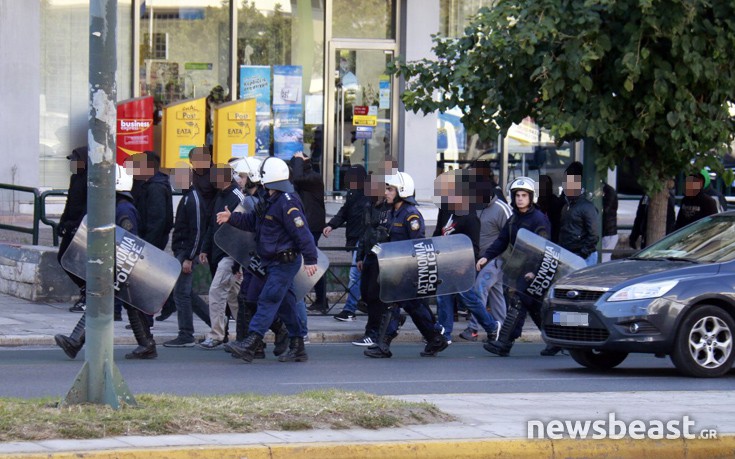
x,y
709,240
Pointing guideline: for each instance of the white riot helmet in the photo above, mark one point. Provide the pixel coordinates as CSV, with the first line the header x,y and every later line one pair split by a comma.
x,y
123,179
274,174
525,184
403,183
249,166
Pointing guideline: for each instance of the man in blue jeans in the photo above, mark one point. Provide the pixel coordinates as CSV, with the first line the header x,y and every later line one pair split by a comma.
x,y
353,214
186,243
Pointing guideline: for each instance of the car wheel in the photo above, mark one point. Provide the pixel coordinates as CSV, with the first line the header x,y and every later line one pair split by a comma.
x,y
704,343
597,360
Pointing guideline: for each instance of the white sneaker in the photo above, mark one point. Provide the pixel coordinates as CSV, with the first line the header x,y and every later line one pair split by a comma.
x,y
365,341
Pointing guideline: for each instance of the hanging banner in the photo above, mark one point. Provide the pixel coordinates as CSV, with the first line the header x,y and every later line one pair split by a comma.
x,y
184,128
255,83
288,111
134,127
235,126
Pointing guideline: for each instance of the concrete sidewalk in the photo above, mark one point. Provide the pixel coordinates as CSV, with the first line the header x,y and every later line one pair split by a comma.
x,y
26,323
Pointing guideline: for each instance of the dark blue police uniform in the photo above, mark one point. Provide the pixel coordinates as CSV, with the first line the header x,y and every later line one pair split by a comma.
x,y
283,238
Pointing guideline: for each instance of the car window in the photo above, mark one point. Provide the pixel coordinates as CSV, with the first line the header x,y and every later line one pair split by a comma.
x,y
710,240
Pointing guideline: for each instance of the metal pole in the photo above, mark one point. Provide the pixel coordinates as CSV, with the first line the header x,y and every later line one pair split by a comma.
x,y
99,381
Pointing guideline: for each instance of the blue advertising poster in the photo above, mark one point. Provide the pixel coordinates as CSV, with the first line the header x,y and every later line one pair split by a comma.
x,y
288,109
255,83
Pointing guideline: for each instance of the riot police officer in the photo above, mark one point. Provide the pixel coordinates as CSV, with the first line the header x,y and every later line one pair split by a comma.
x,y
405,222
525,215
283,238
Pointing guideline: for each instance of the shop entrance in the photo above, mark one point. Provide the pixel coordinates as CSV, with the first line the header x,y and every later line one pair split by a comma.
x,y
361,100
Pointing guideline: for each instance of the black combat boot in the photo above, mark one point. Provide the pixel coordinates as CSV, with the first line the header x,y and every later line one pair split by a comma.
x,y
280,341
248,348
434,345
381,349
72,344
296,351
504,343
141,330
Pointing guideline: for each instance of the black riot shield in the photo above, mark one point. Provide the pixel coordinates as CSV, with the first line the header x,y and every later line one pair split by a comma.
x,y
302,284
419,268
535,263
144,275
238,244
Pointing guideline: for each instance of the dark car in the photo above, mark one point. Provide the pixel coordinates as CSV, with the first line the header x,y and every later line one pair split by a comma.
x,y
675,298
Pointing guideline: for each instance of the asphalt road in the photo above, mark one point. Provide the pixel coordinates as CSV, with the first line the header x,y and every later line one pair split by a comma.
x,y
463,368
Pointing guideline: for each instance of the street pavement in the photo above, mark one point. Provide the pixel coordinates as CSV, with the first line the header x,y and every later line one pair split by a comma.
x,y
491,424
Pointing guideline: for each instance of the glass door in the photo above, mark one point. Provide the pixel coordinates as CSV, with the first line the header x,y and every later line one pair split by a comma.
x,y
359,119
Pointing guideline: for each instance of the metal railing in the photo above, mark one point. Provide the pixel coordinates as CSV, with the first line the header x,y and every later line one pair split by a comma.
x,y
33,231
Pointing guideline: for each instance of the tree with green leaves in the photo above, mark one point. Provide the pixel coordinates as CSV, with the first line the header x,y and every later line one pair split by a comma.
x,y
644,79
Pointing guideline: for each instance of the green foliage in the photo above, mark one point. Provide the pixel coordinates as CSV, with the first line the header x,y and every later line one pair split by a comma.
x,y
642,78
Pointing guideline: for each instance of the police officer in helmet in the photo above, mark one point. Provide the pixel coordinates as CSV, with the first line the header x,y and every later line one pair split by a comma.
x,y
283,238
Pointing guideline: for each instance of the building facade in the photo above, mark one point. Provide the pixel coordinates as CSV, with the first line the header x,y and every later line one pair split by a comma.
x,y
175,50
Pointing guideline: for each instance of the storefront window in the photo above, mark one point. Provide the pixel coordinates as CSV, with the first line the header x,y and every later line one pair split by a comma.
x,y
64,95
456,14
184,50
363,19
283,43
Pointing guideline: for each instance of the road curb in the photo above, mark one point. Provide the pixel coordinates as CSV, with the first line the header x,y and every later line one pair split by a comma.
x,y
723,447
314,337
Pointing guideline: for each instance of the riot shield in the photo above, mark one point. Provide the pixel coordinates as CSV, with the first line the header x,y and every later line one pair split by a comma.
x,y
535,263
144,275
419,268
238,244
302,284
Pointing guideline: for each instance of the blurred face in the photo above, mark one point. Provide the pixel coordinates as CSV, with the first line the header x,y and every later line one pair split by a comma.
x,y
693,186
391,193
573,185
76,166
221,176
181,177
522,200
140,167
199,159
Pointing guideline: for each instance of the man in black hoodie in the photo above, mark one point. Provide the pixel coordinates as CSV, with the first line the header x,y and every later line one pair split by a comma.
x,y
352,215
74,210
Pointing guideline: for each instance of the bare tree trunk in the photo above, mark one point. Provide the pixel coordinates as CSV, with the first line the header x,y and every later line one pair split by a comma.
x,y
657,212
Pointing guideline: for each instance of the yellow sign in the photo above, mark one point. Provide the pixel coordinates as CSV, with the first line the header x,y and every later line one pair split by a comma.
x,y
184,128
234,130
364,120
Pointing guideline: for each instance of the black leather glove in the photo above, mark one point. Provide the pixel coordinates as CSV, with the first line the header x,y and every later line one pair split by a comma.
x,y
633,243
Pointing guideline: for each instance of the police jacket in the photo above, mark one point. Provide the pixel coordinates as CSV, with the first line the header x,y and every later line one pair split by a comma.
x,y
155,207
405,223
126,215
76,200
352,213
282,227
310,187
230,197
693,208
376,228
533,220
190,225
449,223
579,228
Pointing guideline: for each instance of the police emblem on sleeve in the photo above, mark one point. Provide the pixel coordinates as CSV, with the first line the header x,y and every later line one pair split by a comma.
x,y
298,221
415,225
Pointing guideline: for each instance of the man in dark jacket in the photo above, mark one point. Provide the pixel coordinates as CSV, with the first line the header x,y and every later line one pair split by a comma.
x,y
74,211
579,229
186,243
609,220
695,204
225,271
310,188
352,214
154,201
